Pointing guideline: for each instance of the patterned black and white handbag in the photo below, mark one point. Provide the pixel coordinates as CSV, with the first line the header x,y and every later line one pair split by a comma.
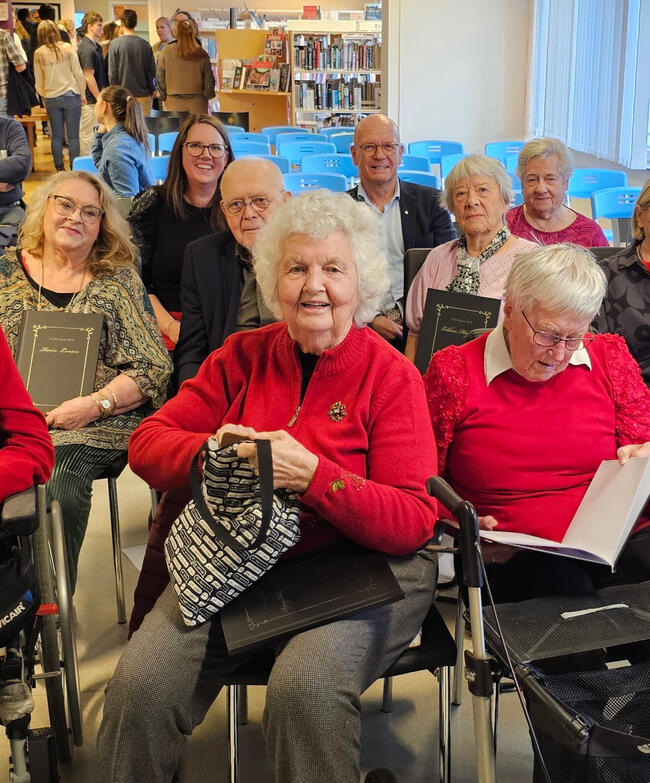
x,y
232,531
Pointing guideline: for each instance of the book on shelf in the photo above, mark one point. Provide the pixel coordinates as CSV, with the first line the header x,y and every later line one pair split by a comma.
x,y
311,12
258,76
600,527
285,77
57,355
275,44
228,73
274,80
373,11
332,52
307,591
210,45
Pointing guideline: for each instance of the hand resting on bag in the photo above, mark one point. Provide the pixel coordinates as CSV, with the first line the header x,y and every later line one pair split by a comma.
x,y
293,465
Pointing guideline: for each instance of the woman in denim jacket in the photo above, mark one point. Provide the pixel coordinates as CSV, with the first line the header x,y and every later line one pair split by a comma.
x,y
120,143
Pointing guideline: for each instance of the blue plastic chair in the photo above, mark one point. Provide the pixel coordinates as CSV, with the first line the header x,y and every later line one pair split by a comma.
x,y
233,130
159,166
414,163
282,163
299,182
297,135
330,164
151,141
272,131
517,198
245,136
511,163
434,149
84,163
516,182
297,150
501,149
584,182
242,149
447,162
616,204
334,130
166,141
342,142
419,178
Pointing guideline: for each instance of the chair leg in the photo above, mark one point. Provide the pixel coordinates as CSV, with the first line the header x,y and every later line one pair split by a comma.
x,y
242,696
155,499
117,549
444,729
233,733
459,635
387,699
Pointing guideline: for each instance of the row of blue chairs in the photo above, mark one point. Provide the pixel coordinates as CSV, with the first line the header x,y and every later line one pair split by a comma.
x,y
159,165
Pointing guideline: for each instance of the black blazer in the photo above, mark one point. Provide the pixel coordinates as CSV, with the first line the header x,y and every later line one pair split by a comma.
x,y
210,293
425,223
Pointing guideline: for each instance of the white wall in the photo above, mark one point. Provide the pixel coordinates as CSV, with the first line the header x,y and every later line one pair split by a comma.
x,y
458,70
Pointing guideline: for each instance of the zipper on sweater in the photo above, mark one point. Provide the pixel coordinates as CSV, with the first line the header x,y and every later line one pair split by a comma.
x,y
292,420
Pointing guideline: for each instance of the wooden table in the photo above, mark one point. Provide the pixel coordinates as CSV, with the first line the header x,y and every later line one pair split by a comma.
x,y
29,124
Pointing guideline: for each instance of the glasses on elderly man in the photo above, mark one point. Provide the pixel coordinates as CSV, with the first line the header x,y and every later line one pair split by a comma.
x,y
66,207
548,340
195,149
388,148
259,204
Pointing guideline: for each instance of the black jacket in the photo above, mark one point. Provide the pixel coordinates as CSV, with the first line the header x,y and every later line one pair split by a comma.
x,y
210,293
17,164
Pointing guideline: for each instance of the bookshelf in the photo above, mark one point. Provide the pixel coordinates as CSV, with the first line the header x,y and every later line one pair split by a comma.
x,y
335,72
264,107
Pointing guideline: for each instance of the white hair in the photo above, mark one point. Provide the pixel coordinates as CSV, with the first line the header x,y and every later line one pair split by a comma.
x,y
317,214
481,166
560,278
542,148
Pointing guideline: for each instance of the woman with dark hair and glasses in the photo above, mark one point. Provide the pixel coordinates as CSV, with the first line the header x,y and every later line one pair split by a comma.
x,y
524,416
164,219
75,256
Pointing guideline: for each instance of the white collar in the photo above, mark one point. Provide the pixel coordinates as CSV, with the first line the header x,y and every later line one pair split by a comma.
x,y
496,359
366,197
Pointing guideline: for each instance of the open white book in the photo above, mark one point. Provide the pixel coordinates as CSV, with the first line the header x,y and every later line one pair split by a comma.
x,y
604,519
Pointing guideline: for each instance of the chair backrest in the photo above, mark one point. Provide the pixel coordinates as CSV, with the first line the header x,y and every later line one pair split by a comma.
x,y
298,182
165,124
501,149
415,163
296,135
166,141
614,202
329,164
419,177
584,182
273,130
243,148
282,163
342,142
296,150
233,118
447,162
334,130
159,167
243,136
516,182
162,113
517,198
151,141
232,130
413,260
434,149
511,163
601,253
84,163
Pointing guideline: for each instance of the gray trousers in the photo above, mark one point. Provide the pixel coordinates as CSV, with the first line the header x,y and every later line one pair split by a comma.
x,y
169,675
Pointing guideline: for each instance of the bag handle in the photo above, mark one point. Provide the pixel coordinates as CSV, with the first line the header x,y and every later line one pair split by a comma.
x,y
265,470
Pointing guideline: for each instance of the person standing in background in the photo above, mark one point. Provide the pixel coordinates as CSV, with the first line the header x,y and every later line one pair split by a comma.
x,y
92,63
9,57
46,12
184,74
131,63
164,30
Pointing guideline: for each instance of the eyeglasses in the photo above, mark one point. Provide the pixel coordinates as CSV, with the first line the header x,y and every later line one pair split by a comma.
x,y
195,149
259,204
66,207
548,340
388,148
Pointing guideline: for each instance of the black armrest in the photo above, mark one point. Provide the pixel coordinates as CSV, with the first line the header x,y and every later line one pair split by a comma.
x,y
20,513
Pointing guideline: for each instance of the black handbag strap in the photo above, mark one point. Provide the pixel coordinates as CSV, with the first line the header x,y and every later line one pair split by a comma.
x,y
265,470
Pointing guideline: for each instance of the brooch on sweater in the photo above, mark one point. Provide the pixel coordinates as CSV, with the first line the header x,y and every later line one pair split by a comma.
x,y
337,411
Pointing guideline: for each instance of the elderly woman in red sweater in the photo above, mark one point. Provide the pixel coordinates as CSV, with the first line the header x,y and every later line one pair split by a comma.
x,y
524,416
346,415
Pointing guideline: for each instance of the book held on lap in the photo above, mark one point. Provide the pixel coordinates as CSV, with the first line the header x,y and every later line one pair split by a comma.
x,y
308,591
604,519
57,355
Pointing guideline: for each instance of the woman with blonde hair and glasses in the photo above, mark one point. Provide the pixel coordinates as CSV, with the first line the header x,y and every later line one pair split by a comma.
x,y
184,73
166,218
61,83
75,256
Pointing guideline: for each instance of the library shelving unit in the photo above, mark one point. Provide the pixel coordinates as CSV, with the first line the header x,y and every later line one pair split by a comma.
x,y
336,73
264,107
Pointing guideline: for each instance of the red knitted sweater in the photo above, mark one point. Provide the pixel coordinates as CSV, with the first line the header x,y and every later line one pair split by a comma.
x,y
525,452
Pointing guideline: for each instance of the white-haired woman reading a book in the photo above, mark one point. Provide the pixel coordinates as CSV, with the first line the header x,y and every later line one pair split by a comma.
x,y
525,415
346,416
74,256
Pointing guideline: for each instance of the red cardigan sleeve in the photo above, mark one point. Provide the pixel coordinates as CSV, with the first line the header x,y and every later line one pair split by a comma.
x,y
26,451
631,395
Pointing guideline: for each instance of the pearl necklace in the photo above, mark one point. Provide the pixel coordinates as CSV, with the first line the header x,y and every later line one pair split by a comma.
x,y
74,296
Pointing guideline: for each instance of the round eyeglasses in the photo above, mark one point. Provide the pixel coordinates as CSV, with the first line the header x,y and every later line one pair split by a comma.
x,y
195,149
548,340
259,204
66,207
388,148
